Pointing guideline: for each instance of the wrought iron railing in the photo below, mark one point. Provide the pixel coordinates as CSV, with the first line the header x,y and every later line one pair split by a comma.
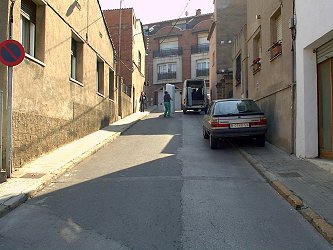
x,y
200,48
167,76
202,72
168,52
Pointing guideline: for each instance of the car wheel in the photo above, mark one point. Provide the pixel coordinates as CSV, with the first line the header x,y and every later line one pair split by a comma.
x,y
205,134
260,140
212,142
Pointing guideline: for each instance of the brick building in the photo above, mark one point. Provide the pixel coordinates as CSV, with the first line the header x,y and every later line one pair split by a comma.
x,y
177,50
130,46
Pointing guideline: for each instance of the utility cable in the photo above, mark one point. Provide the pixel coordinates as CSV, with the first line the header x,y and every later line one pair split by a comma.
x,y
188,2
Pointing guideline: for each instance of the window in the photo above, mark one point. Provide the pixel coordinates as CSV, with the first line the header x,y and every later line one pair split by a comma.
x,y
276,26
100,76
256,63
76,58
166,71
169,43
202,68
73,59
180,24
202,38
238,75
33,32
111,85
28,26
276,35
139,61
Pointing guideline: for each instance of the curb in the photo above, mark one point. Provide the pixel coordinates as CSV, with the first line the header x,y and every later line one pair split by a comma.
x,y
47,179
324,228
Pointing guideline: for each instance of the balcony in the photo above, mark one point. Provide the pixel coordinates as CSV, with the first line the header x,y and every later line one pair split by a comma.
x,y
256,65
167,76
200,48
202,72
168,52
276,50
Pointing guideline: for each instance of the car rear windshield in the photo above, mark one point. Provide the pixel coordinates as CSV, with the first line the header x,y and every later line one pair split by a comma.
x,y
236,107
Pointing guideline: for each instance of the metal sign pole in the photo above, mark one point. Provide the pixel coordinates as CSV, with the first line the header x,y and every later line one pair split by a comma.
x,y
1,119
9,124
9,101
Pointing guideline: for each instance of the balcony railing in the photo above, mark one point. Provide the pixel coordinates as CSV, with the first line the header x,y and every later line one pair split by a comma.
x,y
256,65
202,72
275,50
167,76
168,52
200,48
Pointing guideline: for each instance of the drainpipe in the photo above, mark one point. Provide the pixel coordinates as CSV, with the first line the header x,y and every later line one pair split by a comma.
x,y
292,26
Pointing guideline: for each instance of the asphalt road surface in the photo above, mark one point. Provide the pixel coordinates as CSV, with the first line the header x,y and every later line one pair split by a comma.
x,y
160,186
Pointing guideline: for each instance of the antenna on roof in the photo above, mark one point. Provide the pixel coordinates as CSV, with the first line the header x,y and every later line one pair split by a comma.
x,y
186,13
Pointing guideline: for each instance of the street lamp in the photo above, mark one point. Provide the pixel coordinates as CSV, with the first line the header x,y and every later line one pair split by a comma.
x,y
119,45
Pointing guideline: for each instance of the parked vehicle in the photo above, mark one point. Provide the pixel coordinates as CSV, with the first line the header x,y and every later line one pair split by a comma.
x,y
234,118
194,95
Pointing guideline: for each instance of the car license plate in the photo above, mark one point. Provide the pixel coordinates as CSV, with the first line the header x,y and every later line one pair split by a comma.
x,y
239,125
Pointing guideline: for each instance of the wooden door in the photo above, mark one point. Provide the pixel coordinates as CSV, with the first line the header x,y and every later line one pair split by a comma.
x,y
325,104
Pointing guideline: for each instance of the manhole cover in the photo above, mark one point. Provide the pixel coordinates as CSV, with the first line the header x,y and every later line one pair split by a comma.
x,y
290,174
33,175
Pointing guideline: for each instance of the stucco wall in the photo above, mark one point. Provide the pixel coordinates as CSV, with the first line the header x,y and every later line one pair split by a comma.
x,y
240,49
311,34
49,109
194,59
212,64
271,86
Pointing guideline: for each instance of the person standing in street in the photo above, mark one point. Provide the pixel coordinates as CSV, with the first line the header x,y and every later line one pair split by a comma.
x,y
167,104
142,101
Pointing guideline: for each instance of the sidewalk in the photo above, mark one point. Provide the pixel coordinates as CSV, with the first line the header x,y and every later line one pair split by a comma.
x,y
306,184
31,178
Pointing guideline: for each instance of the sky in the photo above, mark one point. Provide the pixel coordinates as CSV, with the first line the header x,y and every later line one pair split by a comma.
x,y
150,11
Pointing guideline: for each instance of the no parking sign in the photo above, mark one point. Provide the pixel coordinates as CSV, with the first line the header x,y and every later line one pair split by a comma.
x,y
11,52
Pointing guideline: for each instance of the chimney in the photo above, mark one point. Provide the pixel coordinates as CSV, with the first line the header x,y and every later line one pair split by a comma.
x,y
198,12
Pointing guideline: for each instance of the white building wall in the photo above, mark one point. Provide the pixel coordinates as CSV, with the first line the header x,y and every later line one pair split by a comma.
x,y
194,59
314,28
175,59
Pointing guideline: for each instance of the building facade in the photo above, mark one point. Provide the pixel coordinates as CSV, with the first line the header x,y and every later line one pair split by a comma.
x,y
177,50
229,18
314,56
127,33
65,87
270,67
240,65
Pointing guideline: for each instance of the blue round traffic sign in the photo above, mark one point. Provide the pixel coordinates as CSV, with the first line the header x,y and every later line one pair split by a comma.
x,y
11,52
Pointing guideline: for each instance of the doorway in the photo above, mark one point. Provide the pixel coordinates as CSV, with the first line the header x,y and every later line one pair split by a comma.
x,y
325,87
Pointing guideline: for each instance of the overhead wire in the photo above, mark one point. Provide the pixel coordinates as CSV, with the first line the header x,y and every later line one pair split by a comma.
x,y
174,25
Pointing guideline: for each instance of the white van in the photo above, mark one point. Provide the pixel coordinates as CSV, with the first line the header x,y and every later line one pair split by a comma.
x,y
194,95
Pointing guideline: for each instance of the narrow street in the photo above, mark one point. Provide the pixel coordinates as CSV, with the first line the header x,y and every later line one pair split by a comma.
x,y
160,186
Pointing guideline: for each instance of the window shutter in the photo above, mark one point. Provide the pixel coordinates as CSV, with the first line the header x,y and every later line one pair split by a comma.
x,y
325,51
169,44
278,23
202,40
29,8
